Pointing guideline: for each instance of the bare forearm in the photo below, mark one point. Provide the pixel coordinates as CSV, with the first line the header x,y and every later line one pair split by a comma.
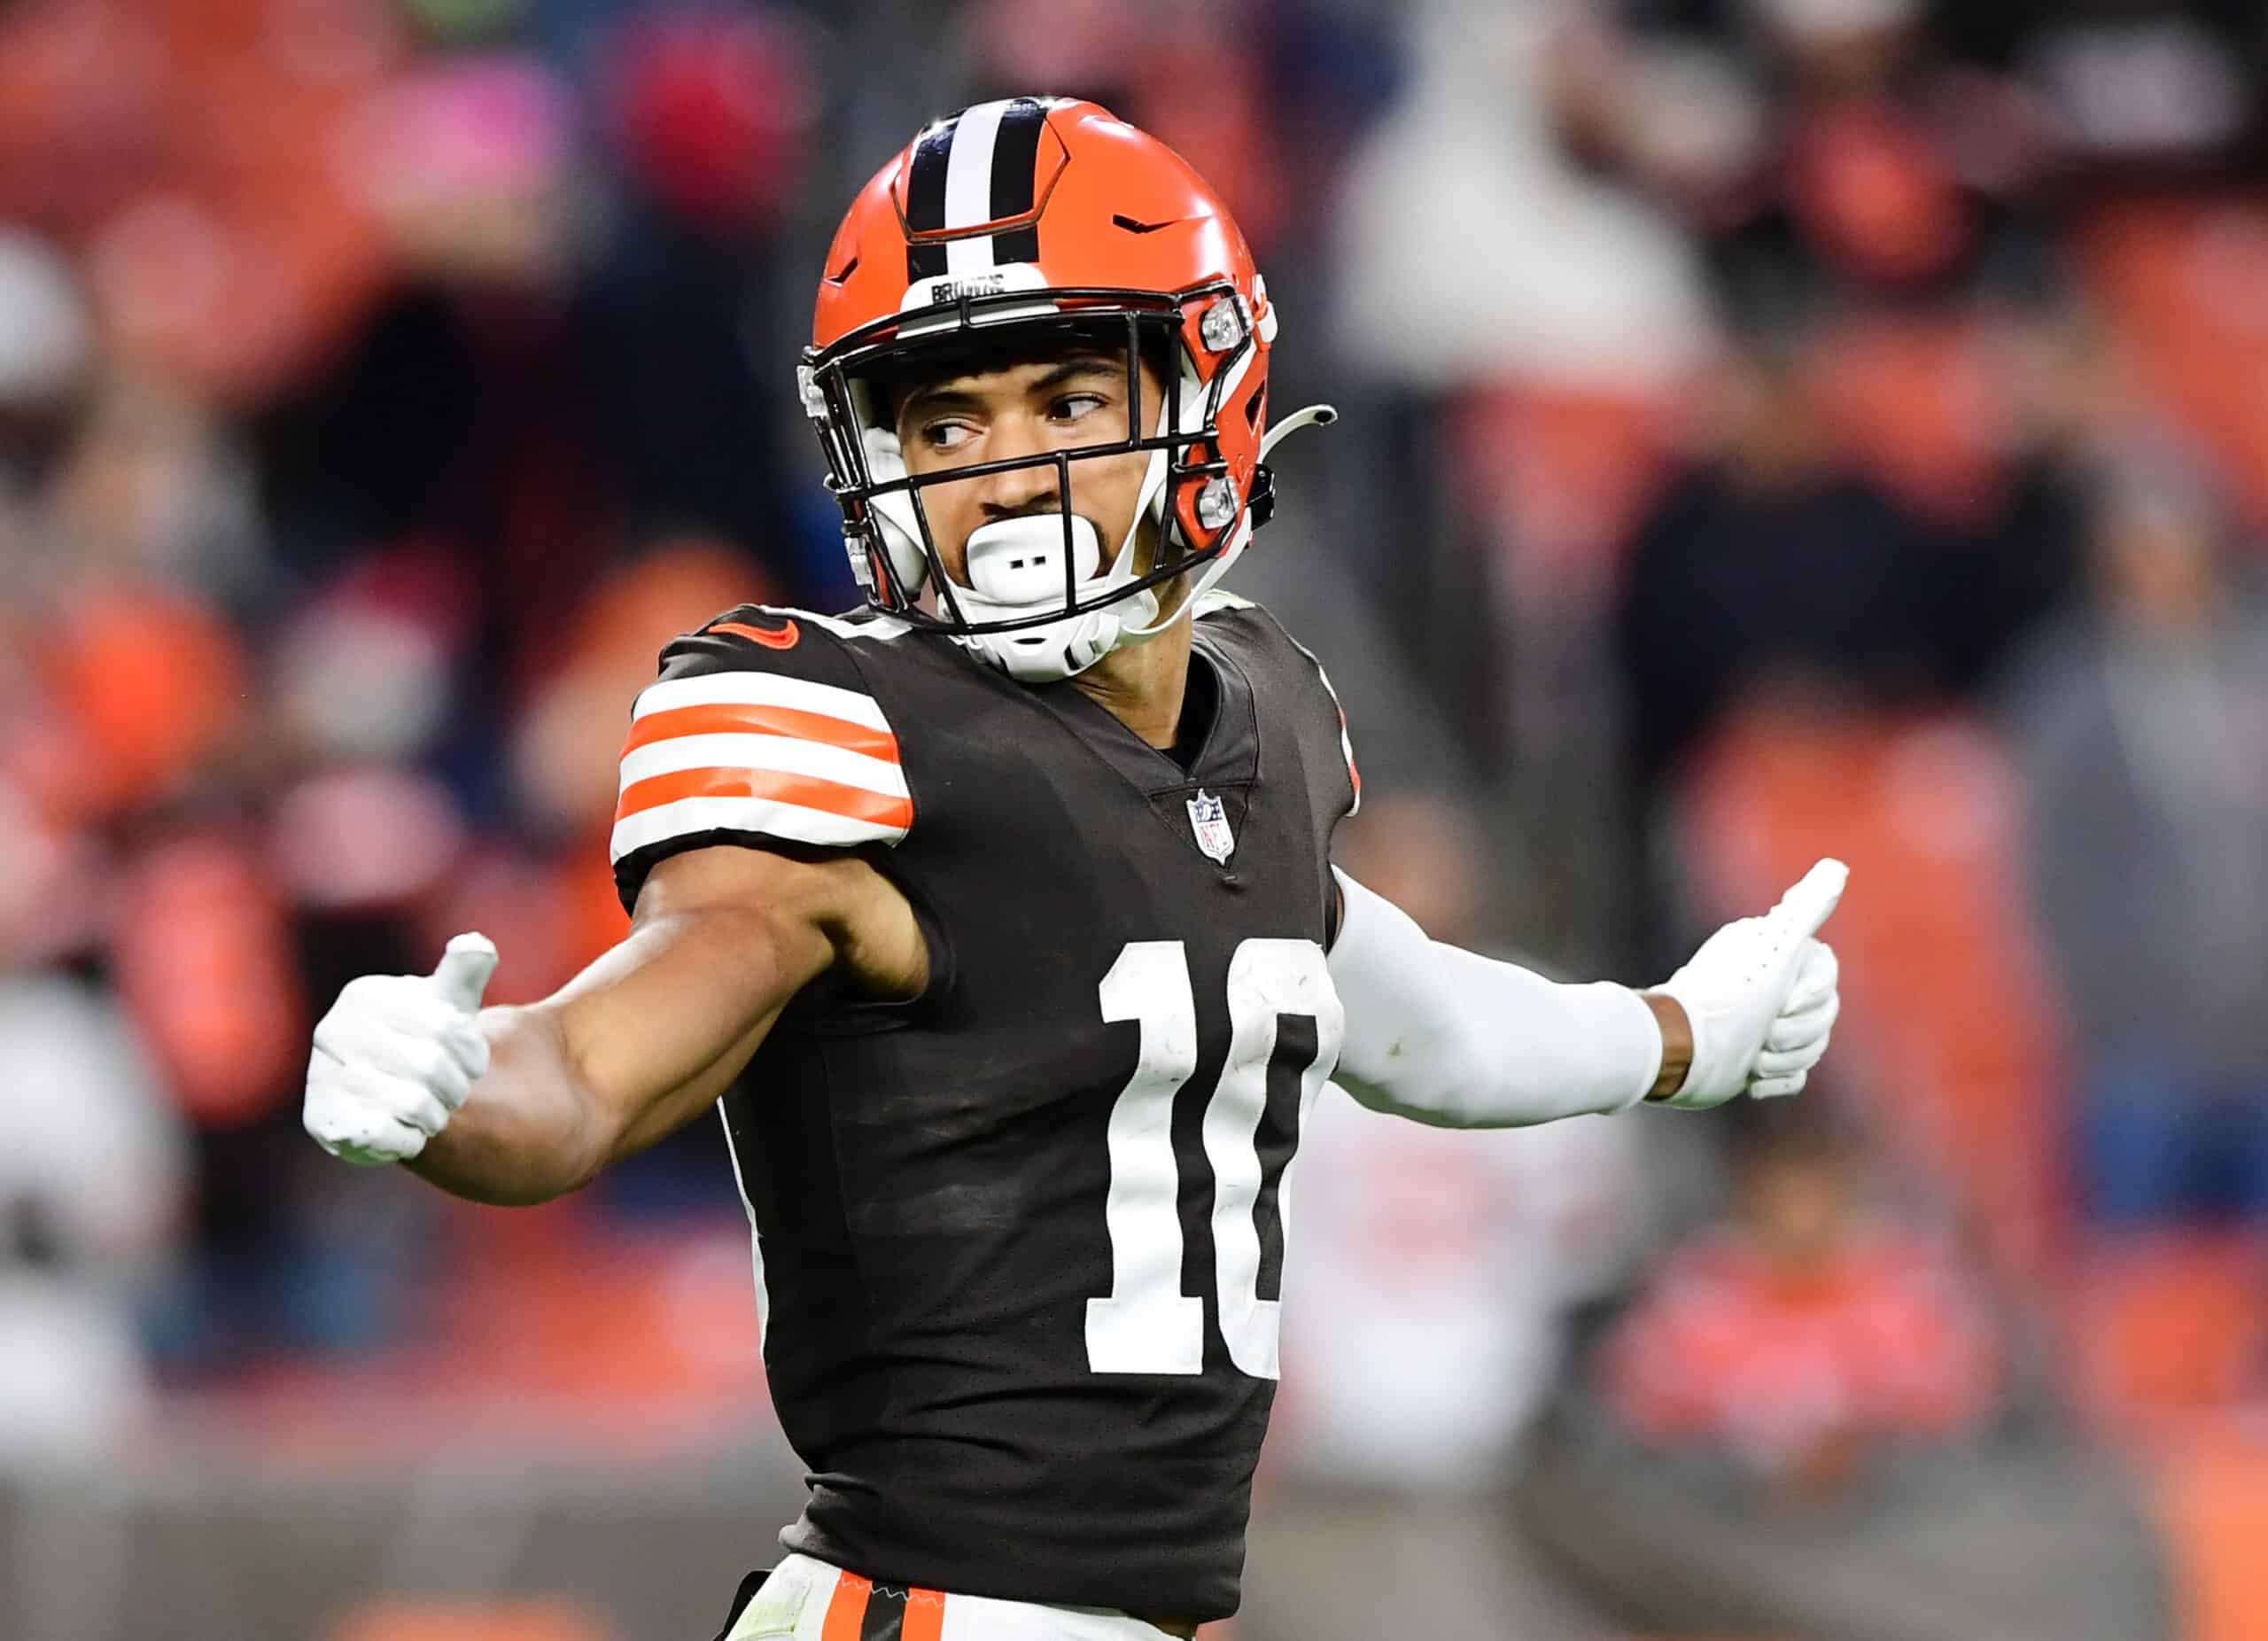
x,y
521,1105
531,1131
637,1044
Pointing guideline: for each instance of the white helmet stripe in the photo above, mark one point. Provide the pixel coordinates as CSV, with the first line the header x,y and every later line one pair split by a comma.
x,y
969,186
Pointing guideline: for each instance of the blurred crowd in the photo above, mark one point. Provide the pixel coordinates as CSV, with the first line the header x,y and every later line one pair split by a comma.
x,y
1772,428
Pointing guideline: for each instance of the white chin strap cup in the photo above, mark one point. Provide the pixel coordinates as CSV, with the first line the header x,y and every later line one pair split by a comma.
x,y
1016,570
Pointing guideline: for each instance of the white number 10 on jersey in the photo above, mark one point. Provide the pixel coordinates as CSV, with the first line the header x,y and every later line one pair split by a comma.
x,y
1147,1324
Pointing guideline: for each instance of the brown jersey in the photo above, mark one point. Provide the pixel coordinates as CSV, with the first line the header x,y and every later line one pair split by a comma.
x,y
1020,1242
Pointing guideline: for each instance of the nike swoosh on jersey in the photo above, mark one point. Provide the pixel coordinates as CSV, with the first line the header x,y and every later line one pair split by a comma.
x,y
785,637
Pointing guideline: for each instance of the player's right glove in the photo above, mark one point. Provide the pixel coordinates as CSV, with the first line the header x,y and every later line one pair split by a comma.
x,y
1761,996
396,1055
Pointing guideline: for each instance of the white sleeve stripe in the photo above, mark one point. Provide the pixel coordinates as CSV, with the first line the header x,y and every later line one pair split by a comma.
x,y
762,689
784,754
765,816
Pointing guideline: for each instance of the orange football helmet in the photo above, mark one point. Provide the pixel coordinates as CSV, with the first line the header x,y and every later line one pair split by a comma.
x,y
1042,213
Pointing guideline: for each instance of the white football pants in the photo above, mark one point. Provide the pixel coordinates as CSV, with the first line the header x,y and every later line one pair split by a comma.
x,y
808,1600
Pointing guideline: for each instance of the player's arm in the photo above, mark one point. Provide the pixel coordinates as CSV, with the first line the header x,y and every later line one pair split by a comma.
x,y
650,1035
1450,1038
520,1105
758,772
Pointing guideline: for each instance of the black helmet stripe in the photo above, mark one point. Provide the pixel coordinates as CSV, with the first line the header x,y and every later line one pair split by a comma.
x,y
1016,159
924,198
924,189
974,168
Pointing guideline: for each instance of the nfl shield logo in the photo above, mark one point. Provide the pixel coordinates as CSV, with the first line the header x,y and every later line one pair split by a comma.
x,y
1211,822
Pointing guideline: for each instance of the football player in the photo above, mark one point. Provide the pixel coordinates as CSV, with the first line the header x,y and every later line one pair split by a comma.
x,y
998,922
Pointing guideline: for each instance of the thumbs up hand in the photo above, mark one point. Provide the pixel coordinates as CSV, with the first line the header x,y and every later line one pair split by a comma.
x,y
1761,996
396,1055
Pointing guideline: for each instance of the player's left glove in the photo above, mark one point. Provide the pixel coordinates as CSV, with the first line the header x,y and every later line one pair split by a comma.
x,y
1760,994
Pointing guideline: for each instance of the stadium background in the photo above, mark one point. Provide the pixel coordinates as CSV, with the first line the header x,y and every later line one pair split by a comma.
x,y
1772,428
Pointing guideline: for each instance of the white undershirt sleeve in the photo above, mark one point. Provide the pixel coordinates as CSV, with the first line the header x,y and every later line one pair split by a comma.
x,y
1458,1040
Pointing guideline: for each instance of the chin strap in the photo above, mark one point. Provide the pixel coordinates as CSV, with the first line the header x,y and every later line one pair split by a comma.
x,y
1259,506
1017,569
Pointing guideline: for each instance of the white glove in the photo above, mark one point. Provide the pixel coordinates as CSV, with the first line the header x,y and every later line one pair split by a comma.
x,y
397,1055
1761,996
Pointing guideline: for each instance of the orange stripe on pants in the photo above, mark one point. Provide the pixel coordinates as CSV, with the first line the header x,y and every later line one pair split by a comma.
x,y
848,1610
925,1617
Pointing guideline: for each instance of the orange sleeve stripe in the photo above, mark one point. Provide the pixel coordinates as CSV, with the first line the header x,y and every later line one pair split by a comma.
x,y
741,718
847,1611
852,803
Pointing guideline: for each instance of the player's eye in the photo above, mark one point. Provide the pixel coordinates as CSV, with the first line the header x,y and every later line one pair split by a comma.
x,y
946,437
1069,407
